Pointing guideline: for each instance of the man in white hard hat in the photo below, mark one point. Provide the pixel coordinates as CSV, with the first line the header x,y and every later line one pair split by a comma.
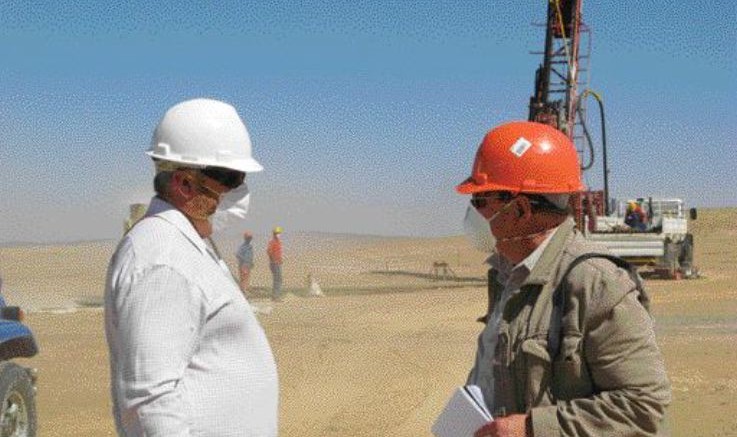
x,y
187,355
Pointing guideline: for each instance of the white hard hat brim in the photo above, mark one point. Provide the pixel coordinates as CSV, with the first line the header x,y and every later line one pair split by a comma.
x,y
246,165
201,133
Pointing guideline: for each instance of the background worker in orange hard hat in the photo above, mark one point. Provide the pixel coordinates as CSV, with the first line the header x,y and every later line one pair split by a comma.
x,y
562,353
245,261
635,217
274,251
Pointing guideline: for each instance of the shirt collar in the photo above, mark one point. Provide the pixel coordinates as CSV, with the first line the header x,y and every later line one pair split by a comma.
x,y
505,267
166,211
534,257
548,263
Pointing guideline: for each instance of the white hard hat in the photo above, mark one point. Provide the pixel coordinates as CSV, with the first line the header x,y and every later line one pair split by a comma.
x,y
203,132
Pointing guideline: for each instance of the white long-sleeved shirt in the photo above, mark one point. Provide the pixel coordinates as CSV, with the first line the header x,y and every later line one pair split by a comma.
x,y
187,355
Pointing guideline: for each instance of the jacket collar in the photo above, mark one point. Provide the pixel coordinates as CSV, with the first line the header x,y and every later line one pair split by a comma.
x,y
168,212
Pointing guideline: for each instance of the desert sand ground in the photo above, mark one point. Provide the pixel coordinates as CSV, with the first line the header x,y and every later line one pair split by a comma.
x,y
381,352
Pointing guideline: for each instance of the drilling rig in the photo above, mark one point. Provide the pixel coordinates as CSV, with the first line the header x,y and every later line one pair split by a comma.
x,y
661,240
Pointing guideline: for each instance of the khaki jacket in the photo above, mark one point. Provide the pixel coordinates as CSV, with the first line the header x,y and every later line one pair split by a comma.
x,y
608,378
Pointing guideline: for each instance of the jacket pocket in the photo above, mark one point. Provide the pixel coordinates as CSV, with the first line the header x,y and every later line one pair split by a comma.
x,y
570,373
537,369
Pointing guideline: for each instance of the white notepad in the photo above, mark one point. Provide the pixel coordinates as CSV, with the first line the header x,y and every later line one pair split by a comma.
x,y
465,413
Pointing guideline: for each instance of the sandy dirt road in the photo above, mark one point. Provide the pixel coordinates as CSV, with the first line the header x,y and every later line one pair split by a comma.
x,y
379,365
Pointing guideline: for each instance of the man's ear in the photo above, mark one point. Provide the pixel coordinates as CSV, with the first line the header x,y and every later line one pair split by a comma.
x,y
524,208
181,185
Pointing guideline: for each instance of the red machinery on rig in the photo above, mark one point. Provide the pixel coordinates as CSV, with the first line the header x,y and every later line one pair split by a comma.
x,y
663,243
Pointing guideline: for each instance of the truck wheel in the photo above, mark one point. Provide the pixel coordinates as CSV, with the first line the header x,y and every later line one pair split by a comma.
x,y
685,257
18,410
669,263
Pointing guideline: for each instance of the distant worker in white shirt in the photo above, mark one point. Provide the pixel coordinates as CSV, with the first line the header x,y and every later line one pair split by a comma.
x,y
187,355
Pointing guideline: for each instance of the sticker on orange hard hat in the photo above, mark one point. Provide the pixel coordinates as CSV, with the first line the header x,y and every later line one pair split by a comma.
x,y
520,147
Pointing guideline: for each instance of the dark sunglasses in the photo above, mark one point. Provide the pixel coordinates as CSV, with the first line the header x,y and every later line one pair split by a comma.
x,y
480,200
223,176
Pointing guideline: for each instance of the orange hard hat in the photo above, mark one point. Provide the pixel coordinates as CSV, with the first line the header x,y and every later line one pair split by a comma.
x,y
524,157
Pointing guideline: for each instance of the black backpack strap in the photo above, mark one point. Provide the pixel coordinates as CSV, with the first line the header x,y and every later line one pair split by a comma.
x,y
555,332
490,293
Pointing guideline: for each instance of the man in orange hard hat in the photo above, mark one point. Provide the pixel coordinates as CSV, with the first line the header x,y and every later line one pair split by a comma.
x,y
568,347
635,217
274,251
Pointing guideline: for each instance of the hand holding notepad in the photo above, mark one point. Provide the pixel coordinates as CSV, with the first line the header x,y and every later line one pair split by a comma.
x,y
465,413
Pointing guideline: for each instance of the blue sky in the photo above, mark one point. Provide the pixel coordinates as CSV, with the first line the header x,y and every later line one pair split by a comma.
x,y
364,114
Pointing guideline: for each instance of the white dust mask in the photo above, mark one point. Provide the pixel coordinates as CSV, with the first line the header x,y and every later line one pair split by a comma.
x,y
232,208
478,230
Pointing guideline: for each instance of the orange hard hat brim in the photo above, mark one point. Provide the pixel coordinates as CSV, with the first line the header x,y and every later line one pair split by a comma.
x,y
470,186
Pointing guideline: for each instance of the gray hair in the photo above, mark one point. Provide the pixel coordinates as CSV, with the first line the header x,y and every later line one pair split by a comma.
x,y
161,183
559,200
555,203
164,172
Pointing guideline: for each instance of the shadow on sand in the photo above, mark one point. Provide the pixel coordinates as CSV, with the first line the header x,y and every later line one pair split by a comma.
x,y
431,276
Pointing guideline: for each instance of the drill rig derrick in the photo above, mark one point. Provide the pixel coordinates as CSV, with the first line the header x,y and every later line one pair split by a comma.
x,y
556,101
664,244
557,78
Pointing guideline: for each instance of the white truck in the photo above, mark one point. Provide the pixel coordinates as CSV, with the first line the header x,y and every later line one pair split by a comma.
x,y
665,245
